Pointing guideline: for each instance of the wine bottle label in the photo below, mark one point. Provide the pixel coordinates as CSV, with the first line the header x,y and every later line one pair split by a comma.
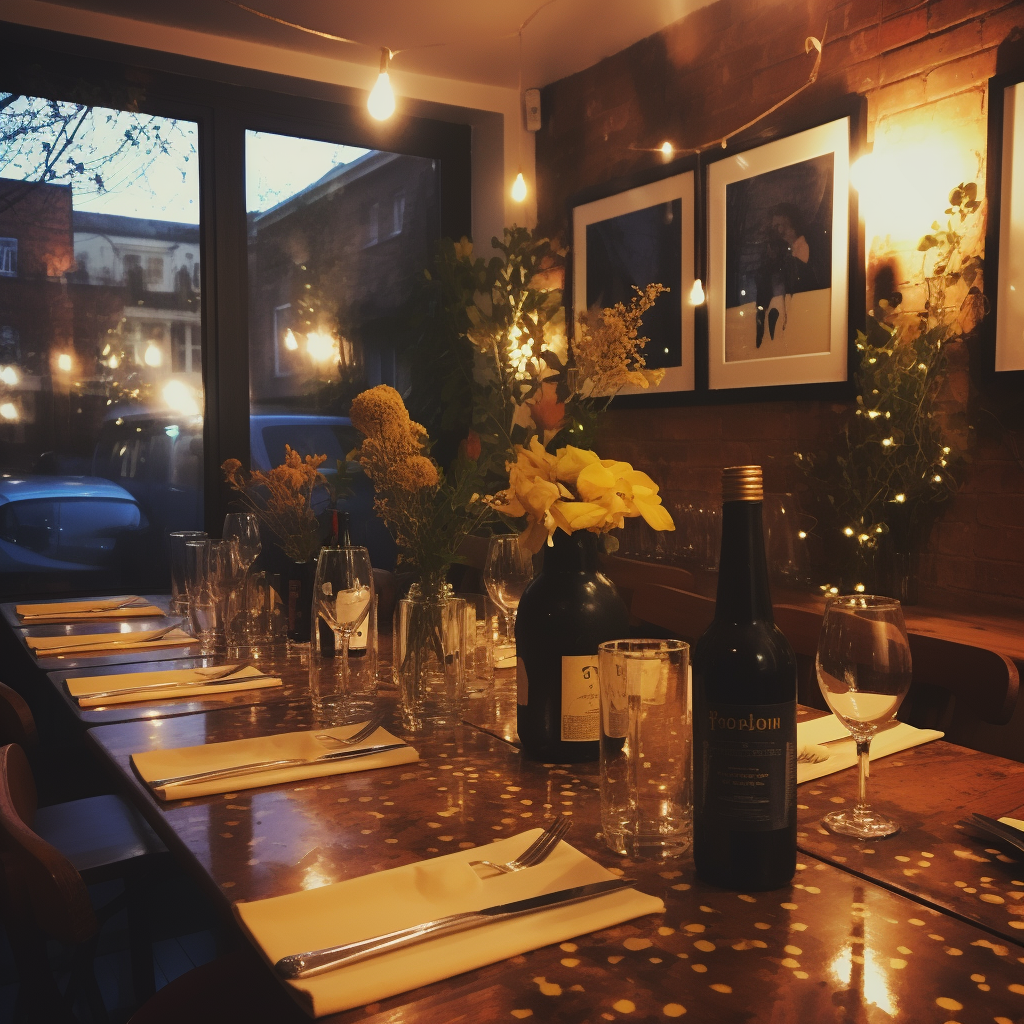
x,y
357,642
581,699
749,765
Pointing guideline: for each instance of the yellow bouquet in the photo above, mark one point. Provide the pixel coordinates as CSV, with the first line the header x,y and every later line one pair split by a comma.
x,y
575,489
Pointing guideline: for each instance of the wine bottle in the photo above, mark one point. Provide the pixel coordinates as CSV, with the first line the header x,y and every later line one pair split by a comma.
x,y
339,538
566,611
744,713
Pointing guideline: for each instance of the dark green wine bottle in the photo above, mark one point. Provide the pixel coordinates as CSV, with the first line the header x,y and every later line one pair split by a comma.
x,y
744,713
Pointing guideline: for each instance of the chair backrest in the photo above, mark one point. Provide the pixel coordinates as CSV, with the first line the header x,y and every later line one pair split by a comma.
x,y
16,722
678,611
41,888
630,574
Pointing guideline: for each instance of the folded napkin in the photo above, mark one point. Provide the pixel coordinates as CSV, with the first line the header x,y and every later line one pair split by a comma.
x,y
841,750
84,687
106,643
1013,823
166,764
98,608
361,908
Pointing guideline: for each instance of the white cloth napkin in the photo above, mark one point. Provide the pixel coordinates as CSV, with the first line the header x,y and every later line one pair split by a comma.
x,y
105,643
166,764
361,908
1013,823
98,608
842,750
83,687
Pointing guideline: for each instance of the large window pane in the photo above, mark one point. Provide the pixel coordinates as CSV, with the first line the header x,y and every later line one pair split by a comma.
x,y
338,241
101,392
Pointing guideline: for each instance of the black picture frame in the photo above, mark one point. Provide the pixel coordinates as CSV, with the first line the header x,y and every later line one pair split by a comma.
x,y
622,200
787,142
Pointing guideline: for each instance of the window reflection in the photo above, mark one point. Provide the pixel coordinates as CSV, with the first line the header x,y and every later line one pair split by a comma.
x,y
101,391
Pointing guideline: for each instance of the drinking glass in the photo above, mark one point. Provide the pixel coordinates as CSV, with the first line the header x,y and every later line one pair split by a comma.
x,y
343,596
479,656
179,597
507,573
243,528
864,672
202,606
646,807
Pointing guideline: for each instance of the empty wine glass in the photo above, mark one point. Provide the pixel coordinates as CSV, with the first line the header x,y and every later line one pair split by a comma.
x,y
864,672
343,596
243,530
507,573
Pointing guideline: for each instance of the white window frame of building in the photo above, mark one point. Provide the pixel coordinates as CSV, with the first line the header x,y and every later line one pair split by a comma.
x,y
191,351
373,226
8,257
397,214
282,322
129,260
154,272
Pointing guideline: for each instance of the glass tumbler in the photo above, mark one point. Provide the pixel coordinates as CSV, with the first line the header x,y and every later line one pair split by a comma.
x,y
646,808
179,595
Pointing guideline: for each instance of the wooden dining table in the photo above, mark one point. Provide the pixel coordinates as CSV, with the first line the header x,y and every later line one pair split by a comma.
x,y
927,925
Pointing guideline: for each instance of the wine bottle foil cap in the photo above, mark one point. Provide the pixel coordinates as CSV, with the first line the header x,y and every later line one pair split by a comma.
x,y
742,483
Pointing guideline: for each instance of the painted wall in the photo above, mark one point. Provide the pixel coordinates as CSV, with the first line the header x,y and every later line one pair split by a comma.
x,y
924,69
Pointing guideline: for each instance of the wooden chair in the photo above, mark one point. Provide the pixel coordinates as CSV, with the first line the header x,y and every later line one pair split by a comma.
x,y
631,574
679,612
237,986
99,838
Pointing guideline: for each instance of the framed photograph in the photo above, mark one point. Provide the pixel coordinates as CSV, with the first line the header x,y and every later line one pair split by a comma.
x,y
636,237
1006,208
779,240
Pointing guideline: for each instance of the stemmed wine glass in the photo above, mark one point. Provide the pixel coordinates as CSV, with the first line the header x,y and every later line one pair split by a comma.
x,y
864,672
243,530
343,596
507,573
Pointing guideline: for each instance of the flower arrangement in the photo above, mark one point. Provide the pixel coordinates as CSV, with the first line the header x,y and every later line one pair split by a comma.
x,y
574,489
897,455
427,512
608,349
283,500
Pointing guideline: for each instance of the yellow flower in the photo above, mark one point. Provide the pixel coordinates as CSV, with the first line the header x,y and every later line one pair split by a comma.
x,y
569,461
380,412
415,474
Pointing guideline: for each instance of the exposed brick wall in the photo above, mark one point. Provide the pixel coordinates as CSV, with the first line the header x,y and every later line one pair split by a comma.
x,y
923,67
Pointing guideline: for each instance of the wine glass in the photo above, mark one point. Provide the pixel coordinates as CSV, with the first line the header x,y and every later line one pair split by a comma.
x,y
343,596
864,672
507,573
243,530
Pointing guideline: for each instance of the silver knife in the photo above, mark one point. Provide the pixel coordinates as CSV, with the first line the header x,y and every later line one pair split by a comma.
x,y
1008,833
306,965
179,684
263,766
93,647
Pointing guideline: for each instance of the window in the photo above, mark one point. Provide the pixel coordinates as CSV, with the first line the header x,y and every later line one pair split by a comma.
x,y
8,257
101,367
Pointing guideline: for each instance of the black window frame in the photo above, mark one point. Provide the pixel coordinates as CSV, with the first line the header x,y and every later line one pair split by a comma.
x,y
225,101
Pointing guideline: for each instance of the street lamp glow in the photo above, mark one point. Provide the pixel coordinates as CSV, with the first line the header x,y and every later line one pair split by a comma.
x,y
9,376
153,356
9,411
64,362
291,343
180,398
321,347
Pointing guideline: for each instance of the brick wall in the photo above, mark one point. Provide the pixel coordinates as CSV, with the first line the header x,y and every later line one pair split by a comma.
x,y
923,67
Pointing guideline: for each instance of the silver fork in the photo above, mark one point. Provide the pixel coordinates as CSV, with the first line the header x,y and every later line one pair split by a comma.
x,y
367,730
536,852
139,602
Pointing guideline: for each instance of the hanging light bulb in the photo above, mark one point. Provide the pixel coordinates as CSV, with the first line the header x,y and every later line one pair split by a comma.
x,y
519,188
697,293
667,150
381,103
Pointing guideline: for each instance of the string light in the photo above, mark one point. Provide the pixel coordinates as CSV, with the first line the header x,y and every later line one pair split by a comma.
x,y
381,102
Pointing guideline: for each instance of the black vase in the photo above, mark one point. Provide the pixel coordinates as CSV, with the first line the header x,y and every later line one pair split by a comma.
x,y
568,609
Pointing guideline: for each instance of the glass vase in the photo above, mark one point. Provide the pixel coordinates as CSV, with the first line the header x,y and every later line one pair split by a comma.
x,y
429,647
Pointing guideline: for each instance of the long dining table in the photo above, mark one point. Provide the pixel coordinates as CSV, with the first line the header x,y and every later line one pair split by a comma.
x,y
927,925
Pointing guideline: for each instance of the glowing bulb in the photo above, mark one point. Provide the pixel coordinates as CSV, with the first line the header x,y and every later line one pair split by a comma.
x,y
802,535
862,537
290,341
9,376
667,149
848,531
886,442
900,498
64,362
113,362
9,411
153,356
937,478
697,293
833,590
945,451
519,188
179,397
381,102
859,588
